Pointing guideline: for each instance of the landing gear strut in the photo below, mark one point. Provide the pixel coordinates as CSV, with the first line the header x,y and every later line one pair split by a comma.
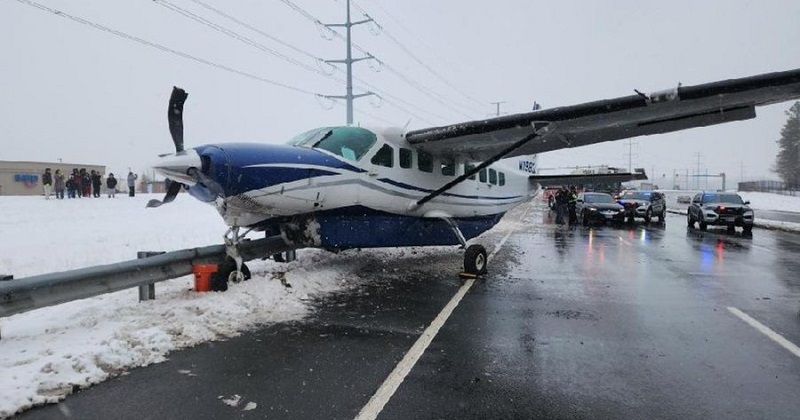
x,y
232,239
475,256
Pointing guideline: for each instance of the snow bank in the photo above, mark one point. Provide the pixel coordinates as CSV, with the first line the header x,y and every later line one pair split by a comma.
x,y
769,201
48,353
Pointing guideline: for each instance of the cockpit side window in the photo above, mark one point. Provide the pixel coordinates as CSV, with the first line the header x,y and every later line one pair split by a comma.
x,y
384,157
350,143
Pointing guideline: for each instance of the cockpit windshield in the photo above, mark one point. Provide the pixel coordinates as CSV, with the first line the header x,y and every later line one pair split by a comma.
x,y
350,143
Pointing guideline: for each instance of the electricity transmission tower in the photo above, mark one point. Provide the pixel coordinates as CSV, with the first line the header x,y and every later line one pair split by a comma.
x,y
348,62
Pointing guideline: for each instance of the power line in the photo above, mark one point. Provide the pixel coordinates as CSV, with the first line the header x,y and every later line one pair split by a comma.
x,y
161,47
242,38
235,35
259,31
417,59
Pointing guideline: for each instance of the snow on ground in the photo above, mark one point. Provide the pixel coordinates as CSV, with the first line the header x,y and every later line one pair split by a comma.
x,y
769,201
48,353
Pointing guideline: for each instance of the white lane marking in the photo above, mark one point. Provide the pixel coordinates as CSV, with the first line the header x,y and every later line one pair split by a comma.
x,y
788,345
392,382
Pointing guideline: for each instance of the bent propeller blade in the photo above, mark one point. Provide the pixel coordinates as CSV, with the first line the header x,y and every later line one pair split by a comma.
x,y
175,116
172,192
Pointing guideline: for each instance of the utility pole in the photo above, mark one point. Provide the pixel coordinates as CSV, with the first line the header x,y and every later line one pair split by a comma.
x,y
349,63
630,155
497,107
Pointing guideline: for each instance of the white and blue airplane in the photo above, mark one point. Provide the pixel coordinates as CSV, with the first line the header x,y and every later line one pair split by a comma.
x,y
353,187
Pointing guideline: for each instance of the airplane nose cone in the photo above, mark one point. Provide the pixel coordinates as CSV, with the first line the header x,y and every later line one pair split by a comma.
x,y
176,166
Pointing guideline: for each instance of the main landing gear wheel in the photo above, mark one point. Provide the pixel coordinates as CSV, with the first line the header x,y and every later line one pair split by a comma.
x,y
475,260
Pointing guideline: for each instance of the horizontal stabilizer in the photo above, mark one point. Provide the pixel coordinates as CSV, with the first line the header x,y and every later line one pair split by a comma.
x,y
581,179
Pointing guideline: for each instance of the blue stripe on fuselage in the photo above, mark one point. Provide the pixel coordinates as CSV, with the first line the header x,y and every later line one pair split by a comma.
x,y
474,197
235,166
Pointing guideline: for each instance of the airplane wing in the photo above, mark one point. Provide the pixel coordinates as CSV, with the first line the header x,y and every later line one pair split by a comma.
x,y
613,119
580,179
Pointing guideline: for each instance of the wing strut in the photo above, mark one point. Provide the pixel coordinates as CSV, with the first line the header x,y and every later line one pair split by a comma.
x,y
523,141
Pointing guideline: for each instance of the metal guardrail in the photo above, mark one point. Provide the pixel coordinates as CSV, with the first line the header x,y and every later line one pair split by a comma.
x,y
25,294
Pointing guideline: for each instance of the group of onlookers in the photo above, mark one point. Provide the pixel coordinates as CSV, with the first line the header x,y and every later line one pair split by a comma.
x,y
83,183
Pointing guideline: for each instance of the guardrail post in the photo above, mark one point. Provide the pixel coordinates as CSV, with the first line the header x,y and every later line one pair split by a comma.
x,y
147,291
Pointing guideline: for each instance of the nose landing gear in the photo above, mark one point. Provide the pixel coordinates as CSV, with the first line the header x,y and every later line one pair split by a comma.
x,y
237,271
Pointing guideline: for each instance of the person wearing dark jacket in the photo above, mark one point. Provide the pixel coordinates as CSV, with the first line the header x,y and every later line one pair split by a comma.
x,y
572,204
111,184
97,182
47,183
87,182
71,187
77,181
562,200
58,182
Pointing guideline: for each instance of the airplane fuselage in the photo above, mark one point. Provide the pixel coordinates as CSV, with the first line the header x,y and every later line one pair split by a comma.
x,y
357,188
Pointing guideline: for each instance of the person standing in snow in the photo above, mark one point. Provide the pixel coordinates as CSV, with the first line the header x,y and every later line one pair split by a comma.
x,y
47,183
87,183
111,184
97,182
132,177
58,181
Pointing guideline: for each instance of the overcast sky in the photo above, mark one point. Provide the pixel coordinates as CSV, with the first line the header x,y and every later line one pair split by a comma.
x,y
72,92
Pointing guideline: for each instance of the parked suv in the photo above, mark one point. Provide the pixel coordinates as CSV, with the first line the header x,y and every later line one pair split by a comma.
x,y
720,209
592,207
643,204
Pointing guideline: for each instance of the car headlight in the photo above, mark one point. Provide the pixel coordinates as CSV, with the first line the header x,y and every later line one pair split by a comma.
x,y
592,208
748,213
621,210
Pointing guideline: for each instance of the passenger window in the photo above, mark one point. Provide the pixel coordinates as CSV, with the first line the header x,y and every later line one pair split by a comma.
x,y
502,178
469,167
492,177
482,175
448,167
405,158
424,162
384,157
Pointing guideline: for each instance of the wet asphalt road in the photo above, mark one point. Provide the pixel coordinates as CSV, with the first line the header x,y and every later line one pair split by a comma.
x,y
604,322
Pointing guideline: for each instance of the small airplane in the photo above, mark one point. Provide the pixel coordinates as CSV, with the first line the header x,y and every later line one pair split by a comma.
x,y
352,187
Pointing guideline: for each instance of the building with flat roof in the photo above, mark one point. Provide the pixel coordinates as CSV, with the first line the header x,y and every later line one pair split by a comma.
x,y
25,178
